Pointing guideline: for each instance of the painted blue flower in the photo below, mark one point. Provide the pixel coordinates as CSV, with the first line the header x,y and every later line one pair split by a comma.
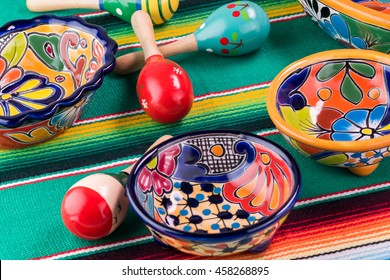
x,y
338,28
360,124
66,118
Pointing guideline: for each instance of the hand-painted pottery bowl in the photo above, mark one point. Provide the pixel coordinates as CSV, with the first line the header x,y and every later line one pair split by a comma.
x,y
49,69
333,107
214,193
358,24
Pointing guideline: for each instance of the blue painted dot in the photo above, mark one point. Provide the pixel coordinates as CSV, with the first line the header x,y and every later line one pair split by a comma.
x,y
226,207
377,155
215,226
161,211
199,197
356,155
177,198
177,185
184,212
187,228
217,190
206,212
251,219
236,225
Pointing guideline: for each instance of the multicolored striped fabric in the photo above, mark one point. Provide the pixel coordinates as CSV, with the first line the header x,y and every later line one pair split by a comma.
x,y
338,215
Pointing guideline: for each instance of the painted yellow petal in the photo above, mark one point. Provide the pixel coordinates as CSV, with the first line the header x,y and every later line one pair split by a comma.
x,y
2,113
387,127
40,94
29,85
33,136
334,159
152,164
295,145
13,111
300,119
32,105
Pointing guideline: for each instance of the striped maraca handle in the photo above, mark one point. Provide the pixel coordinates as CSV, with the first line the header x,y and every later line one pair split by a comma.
x,y
159,10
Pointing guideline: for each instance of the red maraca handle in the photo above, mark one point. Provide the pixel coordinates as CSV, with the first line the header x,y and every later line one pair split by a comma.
x,y
163,87
143,29
134,61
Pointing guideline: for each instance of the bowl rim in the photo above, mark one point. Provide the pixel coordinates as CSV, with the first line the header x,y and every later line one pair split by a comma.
x,y
359,12
77,23
213,237
290,131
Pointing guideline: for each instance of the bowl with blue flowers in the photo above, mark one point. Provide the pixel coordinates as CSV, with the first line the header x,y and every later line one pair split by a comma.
x,y
50,68
214,193
362,24
333,107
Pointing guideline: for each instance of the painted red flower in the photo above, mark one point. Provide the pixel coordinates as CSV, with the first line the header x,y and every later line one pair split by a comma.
x,y
156,175
8,75
264,187
96,61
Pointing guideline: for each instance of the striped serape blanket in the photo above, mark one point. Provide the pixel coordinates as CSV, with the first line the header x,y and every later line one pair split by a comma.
x,y
338,215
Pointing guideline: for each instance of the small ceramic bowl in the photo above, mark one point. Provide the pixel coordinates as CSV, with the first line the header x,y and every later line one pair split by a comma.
x,y
358,24
49,69
214,193
333,107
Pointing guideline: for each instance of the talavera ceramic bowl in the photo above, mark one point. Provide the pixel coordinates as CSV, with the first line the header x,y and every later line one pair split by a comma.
x,y
361,24
49,69
333,107
214,193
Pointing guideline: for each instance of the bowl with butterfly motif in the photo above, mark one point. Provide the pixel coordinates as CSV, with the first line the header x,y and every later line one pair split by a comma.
x,y
214,193
362,24
333,107
50,68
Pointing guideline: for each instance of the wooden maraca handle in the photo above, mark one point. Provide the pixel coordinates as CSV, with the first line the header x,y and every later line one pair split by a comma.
x,y
158,141
134,61
143,29
53,5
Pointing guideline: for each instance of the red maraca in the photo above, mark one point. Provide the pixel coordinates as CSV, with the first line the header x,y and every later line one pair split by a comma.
x,y
97,204
163,87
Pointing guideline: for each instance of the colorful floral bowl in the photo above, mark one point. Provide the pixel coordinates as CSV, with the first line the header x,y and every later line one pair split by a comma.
x,y
361,24
333,107
49,69
214,193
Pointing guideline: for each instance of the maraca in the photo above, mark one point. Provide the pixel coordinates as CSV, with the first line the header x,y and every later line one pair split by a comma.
x,y
163,87
159,10
233,29
97,204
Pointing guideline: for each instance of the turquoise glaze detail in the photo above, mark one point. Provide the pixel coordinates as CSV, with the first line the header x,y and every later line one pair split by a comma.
x,y
234,29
